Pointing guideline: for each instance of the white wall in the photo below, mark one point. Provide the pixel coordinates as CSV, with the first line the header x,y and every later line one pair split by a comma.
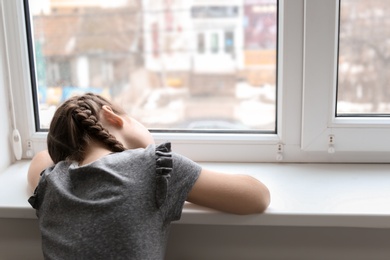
x,y
20,239
208,242
5,151
5,126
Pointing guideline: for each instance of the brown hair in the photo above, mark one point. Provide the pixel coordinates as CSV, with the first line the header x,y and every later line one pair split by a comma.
x,y
75,123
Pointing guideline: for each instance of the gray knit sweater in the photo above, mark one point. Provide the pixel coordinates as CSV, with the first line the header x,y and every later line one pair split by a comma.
x,y
118,207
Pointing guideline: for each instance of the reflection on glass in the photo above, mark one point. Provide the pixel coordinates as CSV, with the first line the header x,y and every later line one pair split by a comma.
x,y
173,65
364,58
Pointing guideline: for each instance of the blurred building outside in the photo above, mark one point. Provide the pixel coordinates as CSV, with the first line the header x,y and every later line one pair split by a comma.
x,y
169,63
364,58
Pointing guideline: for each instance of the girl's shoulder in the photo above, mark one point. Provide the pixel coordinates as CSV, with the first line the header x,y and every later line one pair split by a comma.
x,y
152,152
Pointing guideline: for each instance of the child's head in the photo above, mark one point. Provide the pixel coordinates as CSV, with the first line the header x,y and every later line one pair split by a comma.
x,y
91,118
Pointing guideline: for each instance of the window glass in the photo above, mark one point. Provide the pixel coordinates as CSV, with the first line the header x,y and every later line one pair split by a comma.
x,y
364,58
171,64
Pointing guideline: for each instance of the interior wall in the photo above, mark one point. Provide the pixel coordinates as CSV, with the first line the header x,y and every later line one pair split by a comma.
x,y
5,132
20,239
207,242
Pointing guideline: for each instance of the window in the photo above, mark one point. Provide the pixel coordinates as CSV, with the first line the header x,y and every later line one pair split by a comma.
x,y
214,48
158,75
229,42
302,120
351,136
364,52
201,43
161,51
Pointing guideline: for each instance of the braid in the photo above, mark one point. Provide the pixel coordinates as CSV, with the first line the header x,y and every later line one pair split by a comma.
x,y
91,125
75,124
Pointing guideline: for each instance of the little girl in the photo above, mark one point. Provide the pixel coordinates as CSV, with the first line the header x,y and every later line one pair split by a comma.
x,y
104,190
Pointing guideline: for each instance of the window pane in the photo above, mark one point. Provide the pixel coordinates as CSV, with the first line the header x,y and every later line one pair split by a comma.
x,y
172,64
364,58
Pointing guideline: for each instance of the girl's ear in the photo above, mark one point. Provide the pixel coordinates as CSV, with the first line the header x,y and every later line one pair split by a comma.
x,y
112,117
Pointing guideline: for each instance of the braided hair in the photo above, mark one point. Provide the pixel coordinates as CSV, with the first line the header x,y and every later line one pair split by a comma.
x,y
75,123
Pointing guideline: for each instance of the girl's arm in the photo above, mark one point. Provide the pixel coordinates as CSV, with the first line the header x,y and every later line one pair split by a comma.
x,y
238,194
40,162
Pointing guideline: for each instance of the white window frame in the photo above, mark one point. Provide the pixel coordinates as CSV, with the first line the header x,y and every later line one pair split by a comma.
x,y
359,139
305,107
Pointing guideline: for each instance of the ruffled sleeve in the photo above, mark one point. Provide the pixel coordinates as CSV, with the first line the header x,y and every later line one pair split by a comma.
x,y
163,172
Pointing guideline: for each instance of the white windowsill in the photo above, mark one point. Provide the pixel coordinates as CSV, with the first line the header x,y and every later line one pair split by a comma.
x,y
338,195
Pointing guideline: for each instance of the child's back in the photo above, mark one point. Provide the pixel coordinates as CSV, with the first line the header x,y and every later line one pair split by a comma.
x,y
120,205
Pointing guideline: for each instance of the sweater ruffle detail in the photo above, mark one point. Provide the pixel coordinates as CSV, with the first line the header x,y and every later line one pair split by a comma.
x,y
163,172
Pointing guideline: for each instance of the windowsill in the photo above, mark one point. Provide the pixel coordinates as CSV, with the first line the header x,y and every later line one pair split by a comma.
x,y
338,195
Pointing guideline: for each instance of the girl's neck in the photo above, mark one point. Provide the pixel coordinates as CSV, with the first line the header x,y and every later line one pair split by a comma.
x,y
94,152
